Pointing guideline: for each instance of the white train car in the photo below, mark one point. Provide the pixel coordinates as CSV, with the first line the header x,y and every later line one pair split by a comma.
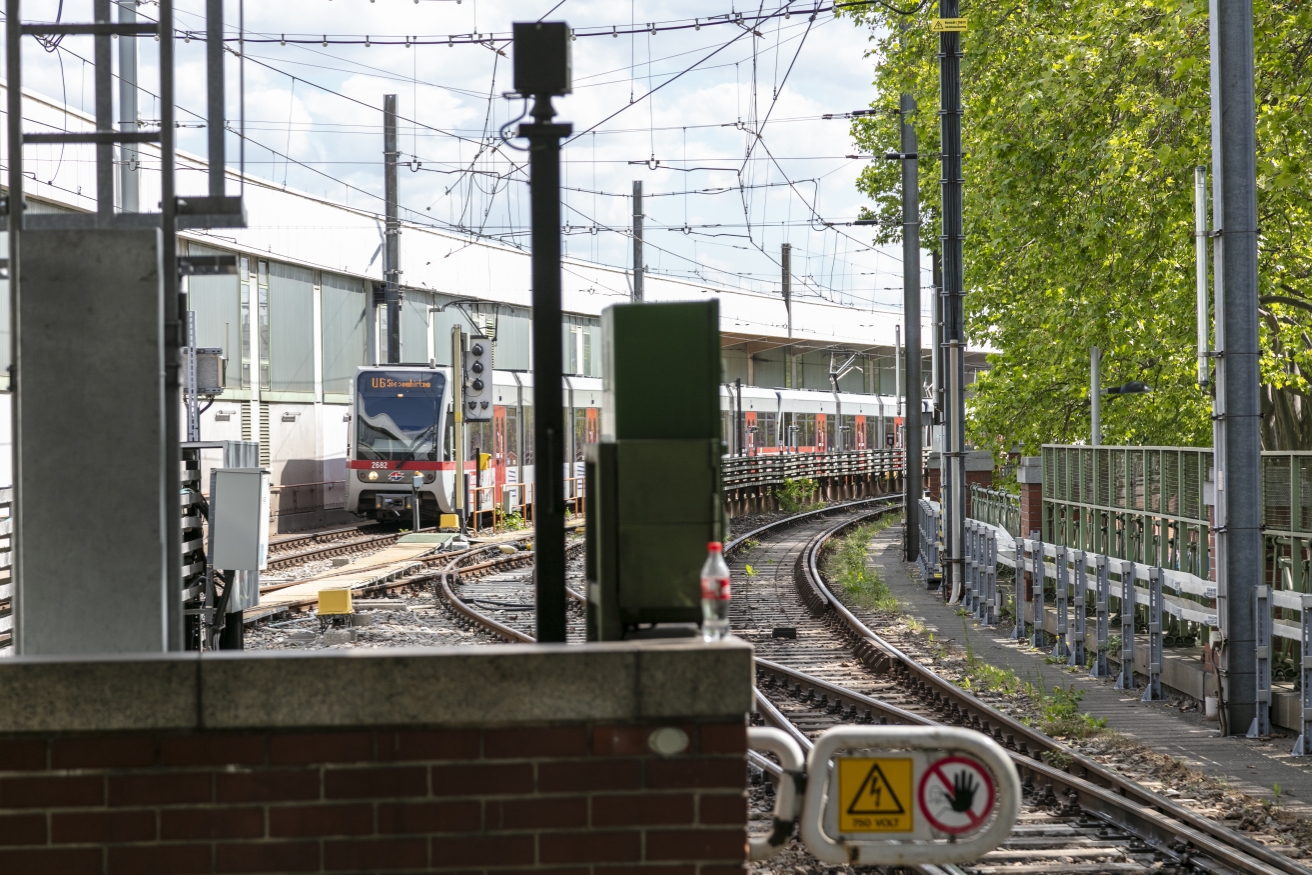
x,y
806,421
401,422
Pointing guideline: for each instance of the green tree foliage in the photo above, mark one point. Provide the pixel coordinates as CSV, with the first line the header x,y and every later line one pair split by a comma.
x,y
1083,122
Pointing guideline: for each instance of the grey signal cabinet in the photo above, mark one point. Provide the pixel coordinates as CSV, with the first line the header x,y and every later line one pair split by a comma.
x,y
654,491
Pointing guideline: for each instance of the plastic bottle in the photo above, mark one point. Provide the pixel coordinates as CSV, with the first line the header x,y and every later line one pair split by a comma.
x,y
715,594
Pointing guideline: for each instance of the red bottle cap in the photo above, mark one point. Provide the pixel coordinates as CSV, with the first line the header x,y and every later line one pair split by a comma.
x,y
714,547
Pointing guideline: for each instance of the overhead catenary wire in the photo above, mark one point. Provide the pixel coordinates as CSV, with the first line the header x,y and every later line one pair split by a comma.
x,y
496,176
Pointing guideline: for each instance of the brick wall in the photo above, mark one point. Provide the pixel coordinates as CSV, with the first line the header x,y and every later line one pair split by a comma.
x,y
1031,508
589,799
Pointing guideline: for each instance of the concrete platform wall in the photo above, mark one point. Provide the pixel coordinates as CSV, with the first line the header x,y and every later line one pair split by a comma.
x,y
514,758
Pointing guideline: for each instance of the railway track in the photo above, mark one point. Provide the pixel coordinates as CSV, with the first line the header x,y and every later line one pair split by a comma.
x,y
1078,816
819,666
490,562
298,550
292,552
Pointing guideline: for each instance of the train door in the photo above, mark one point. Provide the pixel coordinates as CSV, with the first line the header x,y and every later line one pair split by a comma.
x,y
500,458
750,428
821,442
859,433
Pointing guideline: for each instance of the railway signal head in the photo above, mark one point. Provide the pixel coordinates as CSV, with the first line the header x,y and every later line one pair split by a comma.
x,y
478,380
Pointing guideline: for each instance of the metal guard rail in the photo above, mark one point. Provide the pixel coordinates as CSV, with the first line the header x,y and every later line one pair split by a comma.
x,y
995,507
772,469
1150,506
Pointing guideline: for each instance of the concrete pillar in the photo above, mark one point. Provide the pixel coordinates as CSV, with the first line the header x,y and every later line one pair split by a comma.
x,y
91,564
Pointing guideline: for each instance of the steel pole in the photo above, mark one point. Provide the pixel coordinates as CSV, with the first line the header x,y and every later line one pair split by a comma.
x,y
740,422
897,371
1200,271
129,188
639,269
954,291
940,384
786,267
216,105
1236,436
172,318
392,234
548,439
14,134
1095,396
911,318
458,487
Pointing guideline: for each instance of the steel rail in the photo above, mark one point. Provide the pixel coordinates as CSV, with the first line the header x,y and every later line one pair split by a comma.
x,y
1099,790
514,635
411,579
290,542
345,547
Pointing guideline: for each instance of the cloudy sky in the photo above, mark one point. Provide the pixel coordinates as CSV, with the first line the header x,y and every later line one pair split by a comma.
x,y
720,122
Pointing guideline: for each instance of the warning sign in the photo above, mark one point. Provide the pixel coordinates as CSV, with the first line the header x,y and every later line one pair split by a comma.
x,y
948,25
956,795
874,795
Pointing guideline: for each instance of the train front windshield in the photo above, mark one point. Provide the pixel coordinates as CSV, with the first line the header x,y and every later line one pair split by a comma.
x,y
399,416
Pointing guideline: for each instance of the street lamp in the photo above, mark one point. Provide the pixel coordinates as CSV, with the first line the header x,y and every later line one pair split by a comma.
x,y
1096,391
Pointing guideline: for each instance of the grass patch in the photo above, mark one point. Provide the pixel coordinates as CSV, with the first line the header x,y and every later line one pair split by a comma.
x,y
845,565
1062,715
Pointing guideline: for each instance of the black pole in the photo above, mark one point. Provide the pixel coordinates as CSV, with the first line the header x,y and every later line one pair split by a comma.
x,y
954,329
542,70
911,320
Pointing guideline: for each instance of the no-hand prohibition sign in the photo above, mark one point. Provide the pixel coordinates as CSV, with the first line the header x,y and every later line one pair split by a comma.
x,y
955,795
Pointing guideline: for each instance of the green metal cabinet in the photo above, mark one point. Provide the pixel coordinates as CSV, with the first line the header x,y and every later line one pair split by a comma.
x,y
654,492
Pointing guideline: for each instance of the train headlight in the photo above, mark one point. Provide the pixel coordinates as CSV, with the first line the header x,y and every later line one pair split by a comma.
x,y
373,475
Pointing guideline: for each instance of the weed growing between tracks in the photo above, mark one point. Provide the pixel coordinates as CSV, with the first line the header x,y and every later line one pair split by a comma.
x,y
1057,710
797,495
845,564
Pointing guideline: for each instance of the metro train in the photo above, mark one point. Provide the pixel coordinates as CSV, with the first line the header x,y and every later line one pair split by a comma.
x,y
401,422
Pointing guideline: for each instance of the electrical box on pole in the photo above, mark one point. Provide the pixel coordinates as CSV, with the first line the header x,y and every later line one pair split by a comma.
x,y
654,494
